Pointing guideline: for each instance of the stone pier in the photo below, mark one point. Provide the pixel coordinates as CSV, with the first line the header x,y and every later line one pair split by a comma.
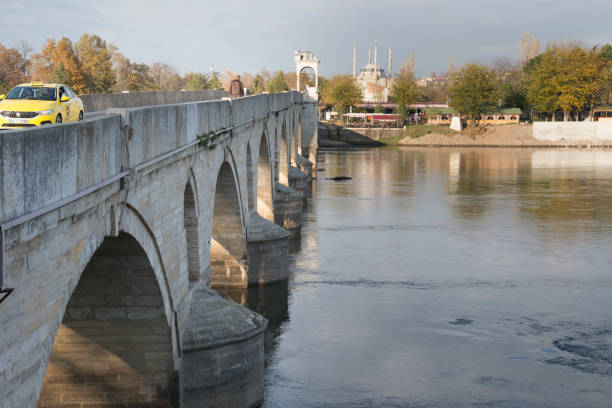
x,y
298,181
304,165
223,353
268,248
288,209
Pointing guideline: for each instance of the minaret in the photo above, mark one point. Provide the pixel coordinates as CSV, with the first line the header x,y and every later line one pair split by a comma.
x,y
369,55
389,71
355,61
376,56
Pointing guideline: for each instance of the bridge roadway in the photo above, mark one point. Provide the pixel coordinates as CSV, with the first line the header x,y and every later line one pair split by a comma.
x,y
114,230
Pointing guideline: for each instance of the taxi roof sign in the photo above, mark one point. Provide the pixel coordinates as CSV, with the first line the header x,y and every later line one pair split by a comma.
x,y
38,83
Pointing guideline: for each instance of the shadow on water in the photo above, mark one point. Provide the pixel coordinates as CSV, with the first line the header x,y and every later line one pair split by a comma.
x,y
272,302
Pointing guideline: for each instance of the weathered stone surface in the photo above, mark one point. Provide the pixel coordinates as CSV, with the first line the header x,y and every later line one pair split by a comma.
x,y
223,353
268,246
131,171
288,209
298,181
303,164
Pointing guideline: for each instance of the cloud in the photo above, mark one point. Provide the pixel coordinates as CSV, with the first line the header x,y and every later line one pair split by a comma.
x,y
246,36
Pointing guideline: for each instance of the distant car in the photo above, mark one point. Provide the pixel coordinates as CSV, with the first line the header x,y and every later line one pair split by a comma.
x,y
36,103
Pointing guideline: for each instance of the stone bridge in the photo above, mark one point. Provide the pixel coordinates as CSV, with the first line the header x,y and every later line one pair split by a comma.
x,y
114,230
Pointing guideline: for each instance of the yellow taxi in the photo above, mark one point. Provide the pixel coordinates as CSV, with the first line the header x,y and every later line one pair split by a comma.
x,y
36,103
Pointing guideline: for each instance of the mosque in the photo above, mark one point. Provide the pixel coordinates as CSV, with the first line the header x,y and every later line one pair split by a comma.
x,y
372,79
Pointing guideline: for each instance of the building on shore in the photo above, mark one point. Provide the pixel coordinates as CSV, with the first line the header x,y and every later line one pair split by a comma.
x,y
432,80
501,116
603,114
372,79
441,114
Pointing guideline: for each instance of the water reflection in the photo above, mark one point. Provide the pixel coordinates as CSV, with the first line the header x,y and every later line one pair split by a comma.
x,y
270,301
447,277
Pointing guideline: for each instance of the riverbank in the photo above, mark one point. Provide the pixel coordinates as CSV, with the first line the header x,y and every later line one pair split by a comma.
x,y
512,135
515,135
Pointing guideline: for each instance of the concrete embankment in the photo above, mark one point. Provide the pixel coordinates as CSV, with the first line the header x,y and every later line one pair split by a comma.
x,y
331,135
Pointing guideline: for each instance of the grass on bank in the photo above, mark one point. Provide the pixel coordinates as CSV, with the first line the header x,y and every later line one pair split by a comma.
x,y
416,131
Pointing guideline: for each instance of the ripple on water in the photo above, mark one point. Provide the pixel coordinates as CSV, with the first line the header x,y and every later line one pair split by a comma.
x,y
588,350
580,346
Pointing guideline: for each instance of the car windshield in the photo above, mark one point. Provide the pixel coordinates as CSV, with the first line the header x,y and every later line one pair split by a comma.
x,y
34,93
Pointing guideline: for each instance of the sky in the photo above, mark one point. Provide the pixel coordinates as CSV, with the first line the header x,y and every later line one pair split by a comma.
x,y
246,36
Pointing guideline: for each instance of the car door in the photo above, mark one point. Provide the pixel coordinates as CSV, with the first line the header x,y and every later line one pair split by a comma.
x,y
75,106
66,107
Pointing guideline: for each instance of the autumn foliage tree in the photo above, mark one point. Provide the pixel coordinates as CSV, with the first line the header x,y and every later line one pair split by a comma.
x,y
95,57
404,89
52,54
342,92
474,91
13,68
565,77
195,81
605,72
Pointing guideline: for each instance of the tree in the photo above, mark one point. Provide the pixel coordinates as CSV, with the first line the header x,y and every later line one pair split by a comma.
x,y
165,77
277,83
342,91
13,66
213,81
95,57
60,75
258,84
538,83
566,77
139,78
510,77
45,62
530,48
404,89
247,82
605,88
3,87
195,81
66,55
512,97
474,91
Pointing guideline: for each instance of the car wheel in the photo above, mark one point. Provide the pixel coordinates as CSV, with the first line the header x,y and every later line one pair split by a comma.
x,y
58,119
81,115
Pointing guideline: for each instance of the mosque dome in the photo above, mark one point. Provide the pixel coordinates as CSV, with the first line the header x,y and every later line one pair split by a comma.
x,y
371,71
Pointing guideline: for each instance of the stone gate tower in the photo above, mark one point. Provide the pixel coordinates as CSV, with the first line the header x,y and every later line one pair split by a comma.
x,y
303,60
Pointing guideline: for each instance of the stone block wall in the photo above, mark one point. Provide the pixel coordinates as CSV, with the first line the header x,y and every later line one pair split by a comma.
x,y
572,131
114,345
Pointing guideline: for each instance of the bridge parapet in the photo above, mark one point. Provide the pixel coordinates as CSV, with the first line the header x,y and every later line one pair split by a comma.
x,y
101,102
49,164
46,165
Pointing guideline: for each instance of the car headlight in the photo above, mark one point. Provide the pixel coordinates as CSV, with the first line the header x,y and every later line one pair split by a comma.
x,y
46,112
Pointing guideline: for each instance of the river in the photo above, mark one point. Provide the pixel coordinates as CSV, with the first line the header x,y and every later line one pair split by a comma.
x,y
447,277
